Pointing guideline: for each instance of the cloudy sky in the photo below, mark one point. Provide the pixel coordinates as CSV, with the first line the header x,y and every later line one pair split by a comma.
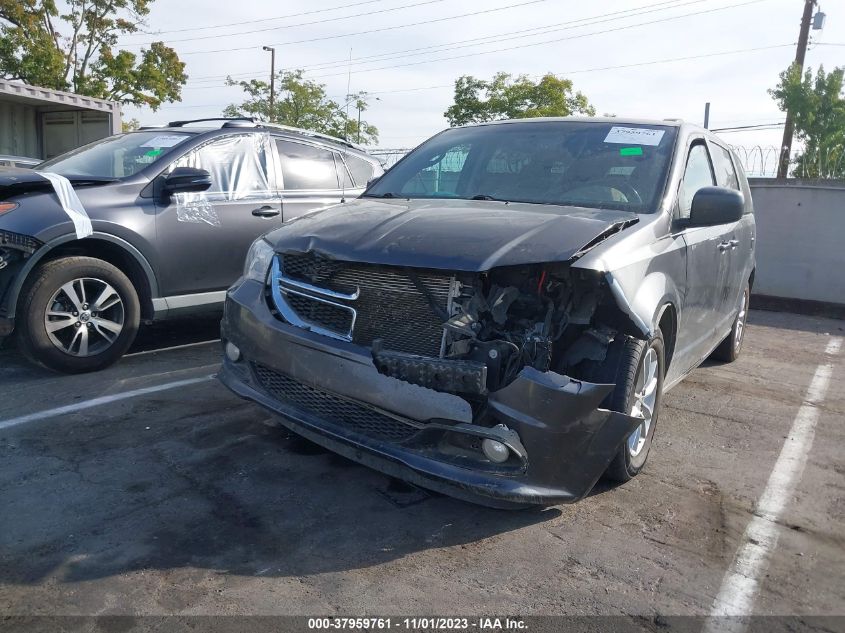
x,y
643,58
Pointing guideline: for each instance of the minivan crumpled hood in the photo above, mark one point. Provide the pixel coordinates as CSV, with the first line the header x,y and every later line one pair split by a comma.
x,y
462,235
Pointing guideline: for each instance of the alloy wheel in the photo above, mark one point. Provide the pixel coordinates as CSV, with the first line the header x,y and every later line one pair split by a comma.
x,y
645,399
84,317
740,321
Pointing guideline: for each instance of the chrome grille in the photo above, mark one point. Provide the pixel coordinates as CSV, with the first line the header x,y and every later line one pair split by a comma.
x,y
332,408
383,302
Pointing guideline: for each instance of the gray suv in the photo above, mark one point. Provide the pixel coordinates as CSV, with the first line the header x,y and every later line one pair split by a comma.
x,y
499,315
151,224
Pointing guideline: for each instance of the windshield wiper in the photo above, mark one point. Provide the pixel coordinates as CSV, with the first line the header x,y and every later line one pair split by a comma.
x,y
387,194
484,196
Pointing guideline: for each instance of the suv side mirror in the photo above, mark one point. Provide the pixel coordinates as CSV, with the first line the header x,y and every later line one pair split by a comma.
x,y
716,205
185,179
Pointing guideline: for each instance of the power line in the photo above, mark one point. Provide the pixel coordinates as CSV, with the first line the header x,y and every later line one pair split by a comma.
x,y
509,35
745,128
379,30
290,26
552,41
586,70
265,20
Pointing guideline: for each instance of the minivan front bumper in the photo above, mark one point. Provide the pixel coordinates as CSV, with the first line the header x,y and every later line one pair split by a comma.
x,y
330,392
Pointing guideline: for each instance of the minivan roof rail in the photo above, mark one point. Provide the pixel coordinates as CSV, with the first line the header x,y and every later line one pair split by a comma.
x,y
238,119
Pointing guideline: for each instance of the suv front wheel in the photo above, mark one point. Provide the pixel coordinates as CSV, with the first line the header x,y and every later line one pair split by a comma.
x,y
79,314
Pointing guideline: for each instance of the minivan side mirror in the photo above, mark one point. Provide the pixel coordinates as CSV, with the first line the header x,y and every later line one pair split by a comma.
x,y
716,205
185,179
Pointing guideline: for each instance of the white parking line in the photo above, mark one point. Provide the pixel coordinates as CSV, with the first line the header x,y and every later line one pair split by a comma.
x,y
96,402
739,586
171,348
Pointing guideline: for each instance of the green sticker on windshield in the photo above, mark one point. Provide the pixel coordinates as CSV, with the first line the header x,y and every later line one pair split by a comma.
x,y
154,152
630,151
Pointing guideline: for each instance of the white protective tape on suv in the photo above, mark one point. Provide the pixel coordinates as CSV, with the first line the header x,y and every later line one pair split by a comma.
x,y
70,203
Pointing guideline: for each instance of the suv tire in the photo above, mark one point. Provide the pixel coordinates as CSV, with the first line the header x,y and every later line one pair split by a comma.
x,y
78,314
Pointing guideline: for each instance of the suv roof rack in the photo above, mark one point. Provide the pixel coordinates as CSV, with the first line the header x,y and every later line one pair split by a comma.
x,y
320,135
236,121
247,121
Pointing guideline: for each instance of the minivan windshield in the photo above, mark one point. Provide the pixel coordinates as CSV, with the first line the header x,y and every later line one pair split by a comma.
x,y
582,163
116,157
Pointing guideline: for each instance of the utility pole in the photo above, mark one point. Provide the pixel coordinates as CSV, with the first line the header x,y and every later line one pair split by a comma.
x,y
800,52
707,116
272,79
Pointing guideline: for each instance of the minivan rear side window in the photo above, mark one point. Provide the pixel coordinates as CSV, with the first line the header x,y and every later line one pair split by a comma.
x,y
361,169
724,168
306,166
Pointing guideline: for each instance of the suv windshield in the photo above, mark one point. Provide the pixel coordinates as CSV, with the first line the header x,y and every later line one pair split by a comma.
x,y
587,164
117,156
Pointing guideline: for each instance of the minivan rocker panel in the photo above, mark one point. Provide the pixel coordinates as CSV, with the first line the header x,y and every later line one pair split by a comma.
x,y
503,352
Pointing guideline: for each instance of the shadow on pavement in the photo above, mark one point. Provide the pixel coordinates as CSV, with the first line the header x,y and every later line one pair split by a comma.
x,y
211,485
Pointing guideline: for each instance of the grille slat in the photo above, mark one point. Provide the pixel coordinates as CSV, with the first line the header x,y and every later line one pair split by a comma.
x,y
332,408
390,306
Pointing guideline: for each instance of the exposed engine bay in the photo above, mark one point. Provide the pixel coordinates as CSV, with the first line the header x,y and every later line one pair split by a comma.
x,y
547,317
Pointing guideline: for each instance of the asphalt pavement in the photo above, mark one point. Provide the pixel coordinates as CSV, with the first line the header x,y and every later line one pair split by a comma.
x,y
150,489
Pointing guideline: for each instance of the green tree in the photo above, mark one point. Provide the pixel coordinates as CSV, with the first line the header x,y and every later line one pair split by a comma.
x,y
303,103
818,110
509,97
132,125
75,49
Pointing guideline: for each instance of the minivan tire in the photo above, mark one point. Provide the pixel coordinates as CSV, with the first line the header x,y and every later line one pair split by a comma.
x,y
622,367
730,349
46,291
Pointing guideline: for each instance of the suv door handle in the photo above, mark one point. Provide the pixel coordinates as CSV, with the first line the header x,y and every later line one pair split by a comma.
x,y
724,246
733,243
266,212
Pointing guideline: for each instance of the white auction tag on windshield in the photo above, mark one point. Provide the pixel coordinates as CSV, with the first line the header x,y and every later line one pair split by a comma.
x,y
634,136
165,140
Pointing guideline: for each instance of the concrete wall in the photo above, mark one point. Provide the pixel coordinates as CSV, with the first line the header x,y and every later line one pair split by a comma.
x,y
800,239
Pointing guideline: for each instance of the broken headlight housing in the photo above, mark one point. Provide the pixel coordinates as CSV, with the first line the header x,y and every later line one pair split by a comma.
x,y
258,260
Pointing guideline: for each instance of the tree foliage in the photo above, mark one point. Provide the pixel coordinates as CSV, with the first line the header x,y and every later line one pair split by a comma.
x,y
508,97
818,109
76,49
303,103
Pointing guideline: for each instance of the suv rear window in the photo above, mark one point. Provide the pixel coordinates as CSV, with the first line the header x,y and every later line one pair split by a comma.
x,y
361,169
306,166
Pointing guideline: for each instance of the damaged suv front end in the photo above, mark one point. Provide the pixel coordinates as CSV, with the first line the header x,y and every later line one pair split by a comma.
x,y
437,337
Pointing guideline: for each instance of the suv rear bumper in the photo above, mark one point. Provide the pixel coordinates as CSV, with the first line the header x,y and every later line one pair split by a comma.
x,y
565,442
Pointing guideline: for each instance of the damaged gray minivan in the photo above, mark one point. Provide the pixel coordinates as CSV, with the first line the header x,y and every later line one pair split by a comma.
x,y
499,315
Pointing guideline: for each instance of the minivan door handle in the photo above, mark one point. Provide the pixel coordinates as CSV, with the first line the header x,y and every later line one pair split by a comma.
x,y
733,243
723,246
266,212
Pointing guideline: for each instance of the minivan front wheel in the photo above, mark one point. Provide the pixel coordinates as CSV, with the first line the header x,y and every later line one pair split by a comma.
x,y
79,314
636,369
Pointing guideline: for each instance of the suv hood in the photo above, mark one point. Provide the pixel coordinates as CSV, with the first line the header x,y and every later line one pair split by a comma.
x,y
16,181
463,235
